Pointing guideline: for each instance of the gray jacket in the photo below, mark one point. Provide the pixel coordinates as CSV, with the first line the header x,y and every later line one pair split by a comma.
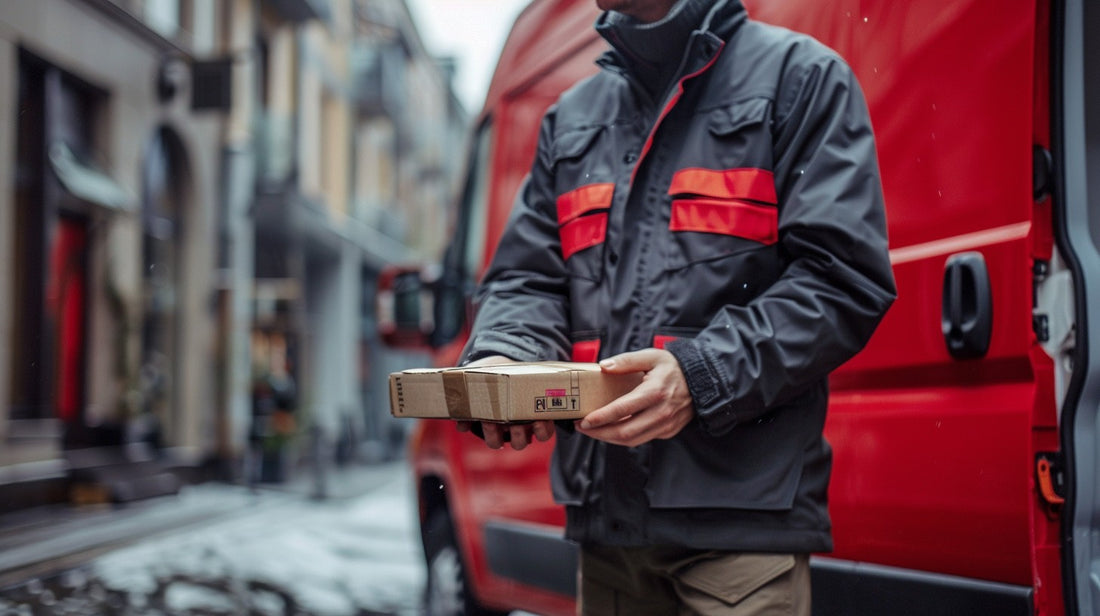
x,y
739,224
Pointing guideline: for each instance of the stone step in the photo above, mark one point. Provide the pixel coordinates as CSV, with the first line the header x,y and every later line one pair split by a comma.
x,y
119,475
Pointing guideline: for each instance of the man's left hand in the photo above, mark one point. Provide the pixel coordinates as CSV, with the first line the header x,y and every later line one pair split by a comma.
x,y
657,409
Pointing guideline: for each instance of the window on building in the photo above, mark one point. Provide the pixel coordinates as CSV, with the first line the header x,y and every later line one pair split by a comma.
x,y
375,186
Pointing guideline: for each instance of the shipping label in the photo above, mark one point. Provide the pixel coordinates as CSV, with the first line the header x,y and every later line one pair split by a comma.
x,y
560,399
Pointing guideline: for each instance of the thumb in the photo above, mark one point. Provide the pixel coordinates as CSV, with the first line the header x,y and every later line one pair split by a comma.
x,y
634,361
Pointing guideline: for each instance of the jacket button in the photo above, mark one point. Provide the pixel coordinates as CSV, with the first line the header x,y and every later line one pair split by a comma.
x,y
613,257
630,157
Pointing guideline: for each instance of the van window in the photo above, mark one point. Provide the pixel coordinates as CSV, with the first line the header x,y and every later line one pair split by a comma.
x,y
476,200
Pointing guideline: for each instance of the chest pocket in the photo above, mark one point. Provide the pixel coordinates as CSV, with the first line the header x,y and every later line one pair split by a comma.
x,y
737,135
582,203
723,198
720,212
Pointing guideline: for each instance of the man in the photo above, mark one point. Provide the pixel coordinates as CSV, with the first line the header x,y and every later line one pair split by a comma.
x,y
706,210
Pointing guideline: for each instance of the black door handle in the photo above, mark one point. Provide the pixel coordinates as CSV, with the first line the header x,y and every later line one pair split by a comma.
x,y
967,306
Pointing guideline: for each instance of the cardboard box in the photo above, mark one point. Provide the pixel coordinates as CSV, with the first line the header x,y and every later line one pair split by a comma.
x,y
507,392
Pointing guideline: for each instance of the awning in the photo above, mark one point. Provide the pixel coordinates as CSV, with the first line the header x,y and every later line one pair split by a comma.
x,y
88,183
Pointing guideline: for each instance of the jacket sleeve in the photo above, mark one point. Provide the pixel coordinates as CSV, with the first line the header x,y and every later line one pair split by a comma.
x,y
522,303
837,282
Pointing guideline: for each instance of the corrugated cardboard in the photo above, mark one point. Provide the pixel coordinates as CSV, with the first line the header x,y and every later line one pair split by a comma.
x,y
507,392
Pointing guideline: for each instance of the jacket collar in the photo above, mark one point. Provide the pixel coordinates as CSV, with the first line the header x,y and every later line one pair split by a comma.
x,y
718,26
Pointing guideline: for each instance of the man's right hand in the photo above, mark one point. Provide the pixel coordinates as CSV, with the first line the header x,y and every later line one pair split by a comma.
x,y
518,435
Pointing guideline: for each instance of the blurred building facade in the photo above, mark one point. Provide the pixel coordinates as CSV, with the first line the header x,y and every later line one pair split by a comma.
x,y
195,203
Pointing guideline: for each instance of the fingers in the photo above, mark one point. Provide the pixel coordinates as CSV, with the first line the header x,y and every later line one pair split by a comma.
x,y
517,435
626,405
634,361
494,434
543,430
659,408
647,425
521,435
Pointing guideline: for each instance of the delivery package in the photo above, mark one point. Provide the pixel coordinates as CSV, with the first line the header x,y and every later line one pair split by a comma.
x,y
507,392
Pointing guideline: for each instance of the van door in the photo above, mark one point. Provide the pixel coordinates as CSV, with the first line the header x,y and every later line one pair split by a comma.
x,y
1076,152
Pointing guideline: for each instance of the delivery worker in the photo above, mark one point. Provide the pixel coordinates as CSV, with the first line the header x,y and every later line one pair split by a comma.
x,y
706,210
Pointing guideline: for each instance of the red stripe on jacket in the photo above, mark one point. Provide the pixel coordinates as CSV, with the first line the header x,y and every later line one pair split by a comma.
x,y
582,200
586,350
751,221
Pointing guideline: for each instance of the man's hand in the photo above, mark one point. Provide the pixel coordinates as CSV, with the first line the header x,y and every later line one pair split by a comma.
x,y
519,435
657,409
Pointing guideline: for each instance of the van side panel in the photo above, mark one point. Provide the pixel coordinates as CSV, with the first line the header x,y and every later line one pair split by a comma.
x,y
933,454
518,110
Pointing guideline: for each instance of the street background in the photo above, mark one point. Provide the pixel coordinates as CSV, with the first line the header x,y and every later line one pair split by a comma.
x,y
222,549
200,202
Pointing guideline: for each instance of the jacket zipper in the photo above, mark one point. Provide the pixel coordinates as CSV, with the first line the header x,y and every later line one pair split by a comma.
x,y
670,104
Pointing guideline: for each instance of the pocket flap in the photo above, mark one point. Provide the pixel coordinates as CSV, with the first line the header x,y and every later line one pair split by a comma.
x,y
573,143
743,183
584,232
732,577
728,120
583,200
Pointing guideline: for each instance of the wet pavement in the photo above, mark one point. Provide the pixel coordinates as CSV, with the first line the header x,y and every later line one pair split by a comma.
x,y
222,549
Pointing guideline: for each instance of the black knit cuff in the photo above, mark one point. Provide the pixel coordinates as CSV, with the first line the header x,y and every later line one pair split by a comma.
x,y
700,377
704,384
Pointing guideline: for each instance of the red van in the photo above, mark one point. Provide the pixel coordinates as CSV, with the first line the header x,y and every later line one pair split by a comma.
x,y
965,476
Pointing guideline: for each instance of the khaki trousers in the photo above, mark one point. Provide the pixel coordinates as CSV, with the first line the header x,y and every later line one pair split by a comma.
x,y
666,581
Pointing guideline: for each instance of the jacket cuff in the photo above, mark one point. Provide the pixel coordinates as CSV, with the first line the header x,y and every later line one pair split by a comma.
x,y
704,383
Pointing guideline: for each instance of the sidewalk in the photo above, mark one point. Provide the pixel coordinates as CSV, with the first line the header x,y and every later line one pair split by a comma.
x,y
49,539
339,483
